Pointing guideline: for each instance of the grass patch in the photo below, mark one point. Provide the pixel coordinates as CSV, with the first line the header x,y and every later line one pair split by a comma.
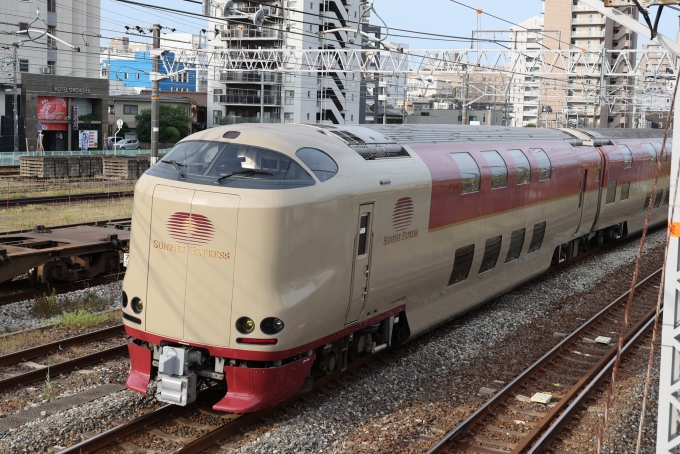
x,y
27,217
50,305
32,338
47,390
80,319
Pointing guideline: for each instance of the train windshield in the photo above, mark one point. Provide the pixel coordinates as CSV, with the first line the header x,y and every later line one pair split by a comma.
x,y
229,162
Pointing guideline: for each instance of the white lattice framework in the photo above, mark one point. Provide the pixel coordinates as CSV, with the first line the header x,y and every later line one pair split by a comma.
x,y
581,62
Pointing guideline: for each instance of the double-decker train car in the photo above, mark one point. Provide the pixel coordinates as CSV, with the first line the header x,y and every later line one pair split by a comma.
x,y
265,256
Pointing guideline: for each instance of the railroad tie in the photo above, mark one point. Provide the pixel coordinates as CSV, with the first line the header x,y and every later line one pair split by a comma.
x,y
492,442
130,447
170,437
479,449
192,424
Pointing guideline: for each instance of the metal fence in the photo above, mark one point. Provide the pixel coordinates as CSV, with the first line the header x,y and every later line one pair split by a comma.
x,y
12,158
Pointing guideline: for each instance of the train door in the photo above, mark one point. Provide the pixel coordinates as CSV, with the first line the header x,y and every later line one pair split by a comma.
x,y
581,197
362,264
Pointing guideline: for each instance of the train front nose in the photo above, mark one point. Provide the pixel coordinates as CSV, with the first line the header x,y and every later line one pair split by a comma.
x,y
191,265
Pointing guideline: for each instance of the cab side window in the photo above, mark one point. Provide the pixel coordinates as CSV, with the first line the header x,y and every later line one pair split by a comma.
x,y
321,165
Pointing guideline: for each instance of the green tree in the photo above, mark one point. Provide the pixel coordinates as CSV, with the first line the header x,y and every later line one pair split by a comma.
x,y
169,117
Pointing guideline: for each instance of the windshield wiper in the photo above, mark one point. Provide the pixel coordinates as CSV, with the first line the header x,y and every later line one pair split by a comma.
x,y
243,172
176,165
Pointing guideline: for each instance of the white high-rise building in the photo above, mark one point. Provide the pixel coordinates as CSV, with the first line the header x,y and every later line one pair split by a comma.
x,y
526,37
331,97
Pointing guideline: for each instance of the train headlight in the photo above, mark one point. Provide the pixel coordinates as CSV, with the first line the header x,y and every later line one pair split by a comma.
x,y
271,325
124,299
245,325
137,305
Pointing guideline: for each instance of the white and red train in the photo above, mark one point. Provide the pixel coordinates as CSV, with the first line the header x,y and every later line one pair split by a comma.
x,y
264,256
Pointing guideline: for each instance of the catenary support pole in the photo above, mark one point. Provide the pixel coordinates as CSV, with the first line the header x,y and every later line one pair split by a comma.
x,y
15,100
154,95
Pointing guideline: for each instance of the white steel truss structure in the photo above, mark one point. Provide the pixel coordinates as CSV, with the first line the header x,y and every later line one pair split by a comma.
x,y
581,62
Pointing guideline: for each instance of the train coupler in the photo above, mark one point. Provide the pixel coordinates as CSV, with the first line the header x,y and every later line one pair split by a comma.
x,y
177,383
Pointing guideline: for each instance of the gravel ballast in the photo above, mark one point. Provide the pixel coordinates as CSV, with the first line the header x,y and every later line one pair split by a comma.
x,y
409,398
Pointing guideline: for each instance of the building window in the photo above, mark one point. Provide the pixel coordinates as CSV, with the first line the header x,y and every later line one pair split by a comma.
x,y
51,67
137,76
611,191
289,117
307,117
217,115
129,109
23,66
290,97
516,245
352,117
216,94
544,166
470,176
625,191
290,77
462,264
499,170
125,75
51,42
492,249
52,6
537,237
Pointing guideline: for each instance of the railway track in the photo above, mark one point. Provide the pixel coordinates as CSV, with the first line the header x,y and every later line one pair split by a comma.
x,y
513,421
211,435
61,199
63,367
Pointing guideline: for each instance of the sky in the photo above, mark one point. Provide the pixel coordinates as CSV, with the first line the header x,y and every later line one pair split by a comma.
x,y
432,16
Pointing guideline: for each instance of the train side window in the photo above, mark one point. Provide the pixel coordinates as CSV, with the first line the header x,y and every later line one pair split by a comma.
x,y
648,197
611,192
665,151
462,264
469,172
625,191
492,250
322,165
652,153
499,170
523,166
544,165
516,245
627,157
666,199
658,199
537,237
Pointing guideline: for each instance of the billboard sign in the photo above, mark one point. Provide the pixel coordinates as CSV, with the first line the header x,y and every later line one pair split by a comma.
x,y
52,108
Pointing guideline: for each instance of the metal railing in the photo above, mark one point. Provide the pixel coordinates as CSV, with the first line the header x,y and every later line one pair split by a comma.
x,y
233,120
13,158
251,77
252,34
251,99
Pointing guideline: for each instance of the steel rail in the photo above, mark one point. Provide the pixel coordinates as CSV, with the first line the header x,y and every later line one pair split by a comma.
x,y
46,349
487,408
12,203
559,423
14,291
60,368
200,444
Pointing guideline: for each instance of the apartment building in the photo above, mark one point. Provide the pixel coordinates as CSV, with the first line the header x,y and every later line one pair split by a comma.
x,y
581,27
237,96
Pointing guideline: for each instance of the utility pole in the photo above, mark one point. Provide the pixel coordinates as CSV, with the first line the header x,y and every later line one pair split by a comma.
x,y
464,112
602,89
154,94
15,45
403,105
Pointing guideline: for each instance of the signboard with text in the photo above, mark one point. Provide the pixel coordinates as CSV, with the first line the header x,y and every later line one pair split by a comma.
x,y
74,116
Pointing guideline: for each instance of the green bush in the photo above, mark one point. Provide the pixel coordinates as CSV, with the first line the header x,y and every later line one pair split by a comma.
x,y
170,135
